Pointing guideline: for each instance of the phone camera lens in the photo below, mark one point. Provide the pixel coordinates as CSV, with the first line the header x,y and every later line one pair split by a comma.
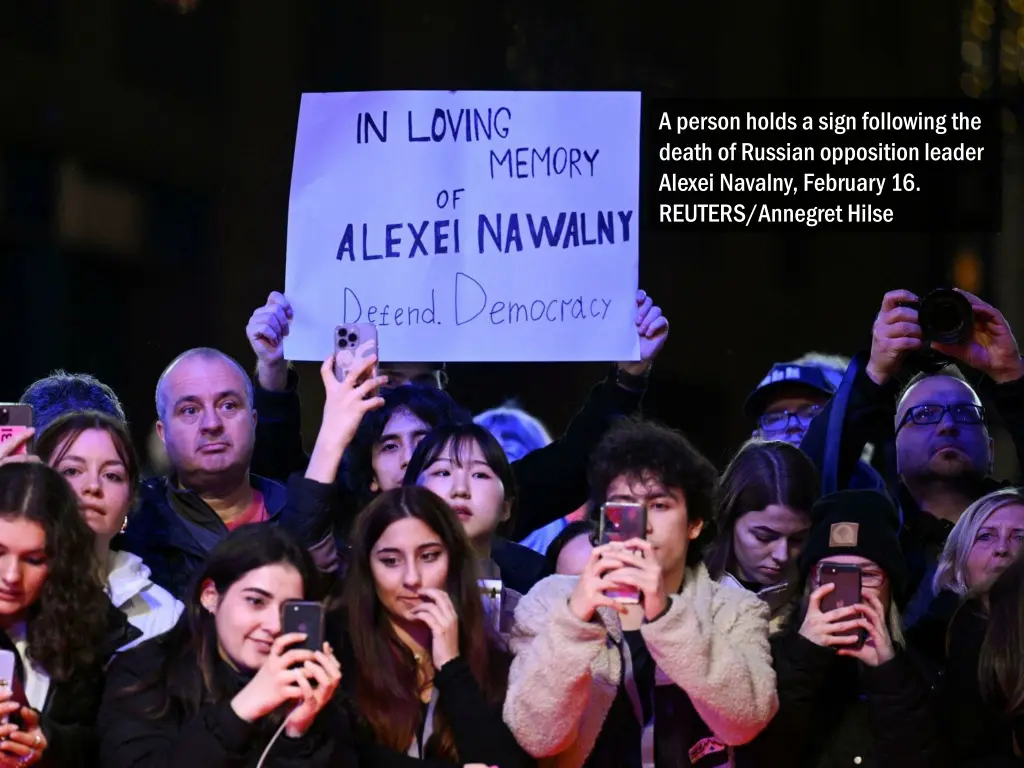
x,y
353,338
343,343
5,416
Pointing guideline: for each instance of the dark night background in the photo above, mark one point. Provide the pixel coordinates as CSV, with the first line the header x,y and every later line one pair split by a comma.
x,y
146,148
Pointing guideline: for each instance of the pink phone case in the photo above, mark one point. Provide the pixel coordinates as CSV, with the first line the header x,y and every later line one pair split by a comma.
x,y
622,522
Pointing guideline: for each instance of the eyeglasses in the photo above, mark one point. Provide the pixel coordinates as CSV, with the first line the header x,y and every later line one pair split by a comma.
x,y
933,413
870,578
776,421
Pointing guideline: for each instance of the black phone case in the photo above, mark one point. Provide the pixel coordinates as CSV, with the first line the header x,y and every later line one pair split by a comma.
x,y
307,618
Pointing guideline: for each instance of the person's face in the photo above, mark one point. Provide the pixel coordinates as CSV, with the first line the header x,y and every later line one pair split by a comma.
x,y
946,450
471,488
100,479
409,556
995,547
574,556
873,579
23,564
766,541
410,373
394,449
248,614
789,415
669,529
208,427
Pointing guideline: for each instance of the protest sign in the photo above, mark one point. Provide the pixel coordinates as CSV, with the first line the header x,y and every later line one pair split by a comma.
x,y
467,226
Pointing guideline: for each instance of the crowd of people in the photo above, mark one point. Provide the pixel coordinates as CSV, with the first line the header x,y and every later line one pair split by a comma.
x,y
845,592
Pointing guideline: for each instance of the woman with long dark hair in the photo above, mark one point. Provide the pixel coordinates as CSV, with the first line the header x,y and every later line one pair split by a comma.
x,y
56,621
225,686
427,678
465,465
95,454
762,520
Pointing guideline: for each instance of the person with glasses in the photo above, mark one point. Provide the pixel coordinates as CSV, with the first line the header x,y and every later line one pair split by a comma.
x,y
789,397
944,452
850,692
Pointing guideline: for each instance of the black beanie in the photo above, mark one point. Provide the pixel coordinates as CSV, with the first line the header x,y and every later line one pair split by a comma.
x,y
862,523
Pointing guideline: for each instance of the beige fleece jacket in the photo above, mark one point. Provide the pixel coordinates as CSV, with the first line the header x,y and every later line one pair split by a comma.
x,y
712,643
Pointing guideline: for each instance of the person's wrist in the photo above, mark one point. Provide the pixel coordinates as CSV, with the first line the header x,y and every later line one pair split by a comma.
x,y
272,377
633,375
244,708
1010,373
876,375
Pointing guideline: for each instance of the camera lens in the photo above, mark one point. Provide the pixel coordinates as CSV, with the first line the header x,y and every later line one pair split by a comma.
x,y
343,343
5,417
946,317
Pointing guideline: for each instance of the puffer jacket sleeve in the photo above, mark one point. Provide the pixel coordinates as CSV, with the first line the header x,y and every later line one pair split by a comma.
x,y
713,644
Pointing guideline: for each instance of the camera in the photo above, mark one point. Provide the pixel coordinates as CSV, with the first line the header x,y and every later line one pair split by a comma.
x,y
945,317
5,417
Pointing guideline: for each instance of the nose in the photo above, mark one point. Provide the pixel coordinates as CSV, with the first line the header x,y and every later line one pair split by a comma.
x,y
211,421
92,485
460,484
1004,545
272,623
947,426
407,451
10,570
411,578
780,552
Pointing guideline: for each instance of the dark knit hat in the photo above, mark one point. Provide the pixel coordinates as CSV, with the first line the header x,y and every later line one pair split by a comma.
x,y
862,523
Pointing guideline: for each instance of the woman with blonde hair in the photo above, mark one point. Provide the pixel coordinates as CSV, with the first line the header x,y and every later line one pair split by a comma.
x,y
982,545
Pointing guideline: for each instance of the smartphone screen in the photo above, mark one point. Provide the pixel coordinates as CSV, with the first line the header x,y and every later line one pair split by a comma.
x,y
15,418
306,617
847,580
622,521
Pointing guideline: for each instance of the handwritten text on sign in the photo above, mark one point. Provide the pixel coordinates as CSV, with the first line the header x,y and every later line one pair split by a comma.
x,y
467,226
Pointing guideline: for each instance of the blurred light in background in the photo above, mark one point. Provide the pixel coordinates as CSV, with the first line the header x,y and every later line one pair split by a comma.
x,y
968,272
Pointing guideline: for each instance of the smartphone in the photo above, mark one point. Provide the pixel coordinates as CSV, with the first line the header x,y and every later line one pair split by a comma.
x,y
8,669
622,521
352,345
307,617
847,580
15,418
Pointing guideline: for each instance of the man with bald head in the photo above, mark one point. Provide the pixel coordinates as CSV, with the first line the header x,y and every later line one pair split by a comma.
x,y
204,403
944,451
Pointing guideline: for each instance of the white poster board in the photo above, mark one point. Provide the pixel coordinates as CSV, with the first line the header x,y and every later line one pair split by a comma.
x,y
467,226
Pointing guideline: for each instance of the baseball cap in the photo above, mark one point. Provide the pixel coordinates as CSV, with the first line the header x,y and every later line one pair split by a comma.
x,y
786,376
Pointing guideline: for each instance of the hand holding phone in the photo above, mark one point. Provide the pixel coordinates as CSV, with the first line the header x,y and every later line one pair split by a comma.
x,y
848,591
621,522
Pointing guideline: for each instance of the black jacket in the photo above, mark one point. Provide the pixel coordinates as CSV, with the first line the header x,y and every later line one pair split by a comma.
x,y
835,712
552,481
479,732
979,736
68,716
168,544
866,413
213,737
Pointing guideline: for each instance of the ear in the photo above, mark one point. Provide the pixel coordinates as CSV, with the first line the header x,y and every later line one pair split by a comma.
x,y
506,511
374,486
209,597
695,529
255,419
160,433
